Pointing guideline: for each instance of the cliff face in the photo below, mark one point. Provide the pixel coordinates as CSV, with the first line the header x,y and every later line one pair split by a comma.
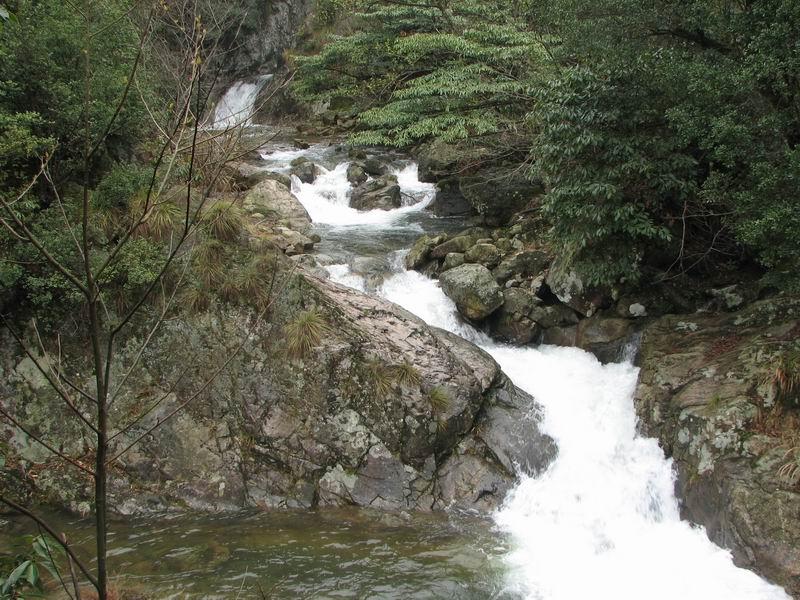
x,y
707,391
268,28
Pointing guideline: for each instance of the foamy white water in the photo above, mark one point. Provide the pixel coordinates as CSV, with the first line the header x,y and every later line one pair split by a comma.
x,y
602,522
327,199
237,104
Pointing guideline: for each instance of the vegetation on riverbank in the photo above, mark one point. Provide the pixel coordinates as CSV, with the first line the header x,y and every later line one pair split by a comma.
x,y
666,135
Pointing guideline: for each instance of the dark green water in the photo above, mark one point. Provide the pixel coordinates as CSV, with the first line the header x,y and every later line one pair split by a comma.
x,y
342,553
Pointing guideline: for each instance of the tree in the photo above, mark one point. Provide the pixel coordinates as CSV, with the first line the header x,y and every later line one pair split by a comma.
x,y
112,240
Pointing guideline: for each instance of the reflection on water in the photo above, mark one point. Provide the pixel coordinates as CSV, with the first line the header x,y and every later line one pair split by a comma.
x,y
342,553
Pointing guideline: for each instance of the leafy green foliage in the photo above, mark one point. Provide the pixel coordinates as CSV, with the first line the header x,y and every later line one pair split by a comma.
x,y
447,70
23,579
666,133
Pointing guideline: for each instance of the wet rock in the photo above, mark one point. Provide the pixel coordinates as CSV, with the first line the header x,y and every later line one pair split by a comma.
x,y
380,193
604,337
498,195
449,201
374,167
553,315
460,244
421,251
305,170
277,206
524,264
438,160
356,174
473,289
483,253
571,290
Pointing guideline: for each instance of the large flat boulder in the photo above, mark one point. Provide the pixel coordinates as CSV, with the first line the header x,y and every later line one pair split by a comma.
x,y
272,203
380,410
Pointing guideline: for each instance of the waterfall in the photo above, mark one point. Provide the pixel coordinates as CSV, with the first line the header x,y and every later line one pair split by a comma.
x,y
603,520
237,104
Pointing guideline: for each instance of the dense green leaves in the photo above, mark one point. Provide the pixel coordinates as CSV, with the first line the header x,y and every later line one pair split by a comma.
x,y
666,132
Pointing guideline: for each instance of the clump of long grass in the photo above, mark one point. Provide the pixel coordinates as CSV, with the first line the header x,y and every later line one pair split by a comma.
x,y
381,376
439,399
406,374
305,332
790,470
195,299
225,221
158,216
207,262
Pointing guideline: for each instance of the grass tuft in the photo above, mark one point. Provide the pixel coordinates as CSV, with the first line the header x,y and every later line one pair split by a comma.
x,y
304,332
439,399
407,375
381,376
224,221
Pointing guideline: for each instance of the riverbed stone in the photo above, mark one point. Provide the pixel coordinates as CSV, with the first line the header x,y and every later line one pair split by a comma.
x,y
483,253
473,289
272,429
420,252
381,193
356,174
453,260
305,170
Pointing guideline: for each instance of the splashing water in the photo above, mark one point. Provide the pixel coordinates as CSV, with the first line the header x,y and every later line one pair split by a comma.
x,y
327,199
603,520
237,105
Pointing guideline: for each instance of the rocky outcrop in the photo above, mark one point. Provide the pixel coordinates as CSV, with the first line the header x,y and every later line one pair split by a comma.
x,y
272,201
256,41
710,391
380,410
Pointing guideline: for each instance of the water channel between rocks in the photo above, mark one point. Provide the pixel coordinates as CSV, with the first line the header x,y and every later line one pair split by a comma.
x,y
601,522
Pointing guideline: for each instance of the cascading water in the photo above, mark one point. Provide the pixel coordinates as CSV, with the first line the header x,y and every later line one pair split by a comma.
x,y
237,104
603,520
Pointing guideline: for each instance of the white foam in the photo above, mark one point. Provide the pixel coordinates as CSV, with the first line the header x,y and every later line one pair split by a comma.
x,y
237,104
602,522
327,198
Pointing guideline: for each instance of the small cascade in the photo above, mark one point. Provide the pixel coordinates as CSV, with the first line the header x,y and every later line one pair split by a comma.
x,y
603,520
237,104
327,198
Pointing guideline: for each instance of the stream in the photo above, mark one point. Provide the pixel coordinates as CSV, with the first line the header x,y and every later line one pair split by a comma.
x,y
601,522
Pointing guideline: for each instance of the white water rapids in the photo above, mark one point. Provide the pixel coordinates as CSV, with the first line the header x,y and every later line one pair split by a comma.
x,y
602,521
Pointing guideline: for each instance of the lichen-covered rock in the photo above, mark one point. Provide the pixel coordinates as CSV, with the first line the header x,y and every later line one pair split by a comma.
x,y
571,290
452,260
528,263
705,392
459,243
483,253
334,425
420,252
276,205
381,193
473,289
